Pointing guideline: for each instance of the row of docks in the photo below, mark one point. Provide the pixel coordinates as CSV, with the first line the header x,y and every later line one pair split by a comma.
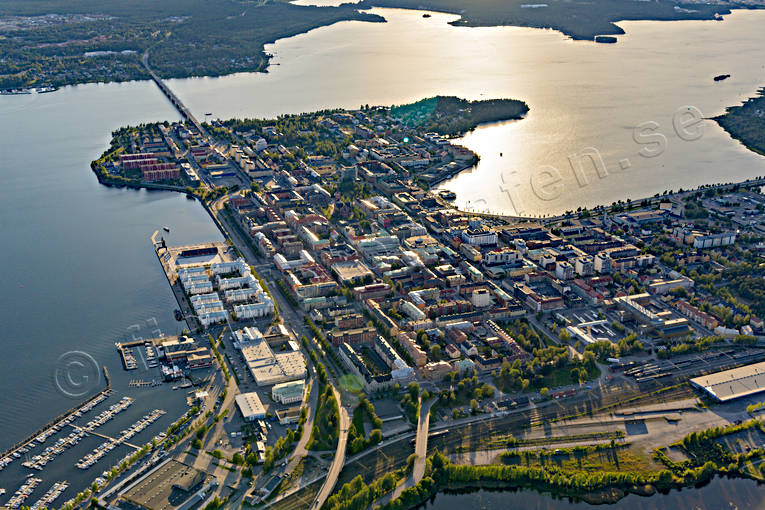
x,y
26,447
50,496
23,493
101,450
714,361
128,357
39,461
140,383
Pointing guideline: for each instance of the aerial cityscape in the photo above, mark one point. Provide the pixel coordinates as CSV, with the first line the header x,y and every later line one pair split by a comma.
x,y
382,254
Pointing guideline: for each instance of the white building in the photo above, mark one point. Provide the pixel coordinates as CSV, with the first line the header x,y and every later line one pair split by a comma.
x,y
480,298
603,263
237,266
212,317
250,405
479,237
412,311
266,366
239,295
584,266
253,310
564,270
289,392
502,256
199,287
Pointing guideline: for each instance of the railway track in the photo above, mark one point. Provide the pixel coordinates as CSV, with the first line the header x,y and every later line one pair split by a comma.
x,y
476,434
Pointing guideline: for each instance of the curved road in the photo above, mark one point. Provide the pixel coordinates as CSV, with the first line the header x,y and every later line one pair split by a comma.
x,y
339,460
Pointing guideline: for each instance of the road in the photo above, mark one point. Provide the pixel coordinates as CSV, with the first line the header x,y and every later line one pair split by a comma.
x,y
339,461
421,452
185,112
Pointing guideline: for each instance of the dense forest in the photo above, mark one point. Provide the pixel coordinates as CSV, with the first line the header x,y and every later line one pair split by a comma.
x,y
57,42
449,115
578,19
746,122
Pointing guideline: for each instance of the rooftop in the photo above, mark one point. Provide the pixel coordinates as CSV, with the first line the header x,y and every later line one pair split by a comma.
x,y
169,486
734,383
250,405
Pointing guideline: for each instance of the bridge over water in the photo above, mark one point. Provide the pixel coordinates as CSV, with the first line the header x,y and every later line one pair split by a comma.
x,y
185,112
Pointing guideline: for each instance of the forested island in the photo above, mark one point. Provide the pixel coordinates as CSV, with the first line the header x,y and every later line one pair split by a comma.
x,y
746,122
577,19
451,116
56,42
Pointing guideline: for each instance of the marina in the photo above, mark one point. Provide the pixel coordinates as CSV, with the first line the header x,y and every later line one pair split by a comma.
x,y
39,461
109,445
128,356
21,495
49,497
52,428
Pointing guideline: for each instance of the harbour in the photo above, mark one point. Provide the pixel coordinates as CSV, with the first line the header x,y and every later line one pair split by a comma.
x,y
122,310
54,426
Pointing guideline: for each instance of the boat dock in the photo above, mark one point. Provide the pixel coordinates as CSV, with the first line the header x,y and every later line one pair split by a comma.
x,y
129,361
111,443
39,461
55,425
104,436
50,496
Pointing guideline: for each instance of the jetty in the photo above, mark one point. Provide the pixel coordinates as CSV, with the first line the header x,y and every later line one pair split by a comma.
x,y
54,425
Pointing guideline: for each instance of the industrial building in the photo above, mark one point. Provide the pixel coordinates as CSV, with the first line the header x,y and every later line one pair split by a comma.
x,y
266,366
289,392
732,384
250,406
660,322
172,485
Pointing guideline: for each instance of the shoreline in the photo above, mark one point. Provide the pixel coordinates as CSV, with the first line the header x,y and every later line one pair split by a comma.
x,y
609,488
753,181
363,7
605,496
53,421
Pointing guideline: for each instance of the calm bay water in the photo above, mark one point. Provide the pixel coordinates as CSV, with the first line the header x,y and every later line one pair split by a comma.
x,y
719,494
581,95
78,271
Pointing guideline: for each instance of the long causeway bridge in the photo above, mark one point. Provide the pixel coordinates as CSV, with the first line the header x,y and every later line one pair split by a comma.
x,y
172,97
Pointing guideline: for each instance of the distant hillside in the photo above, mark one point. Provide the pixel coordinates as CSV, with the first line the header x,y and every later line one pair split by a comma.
x,y
578,19
62,42
746,123
448,115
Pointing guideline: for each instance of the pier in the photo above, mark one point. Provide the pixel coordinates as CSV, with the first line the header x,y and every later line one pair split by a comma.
x,y
171,96
104,436
52,423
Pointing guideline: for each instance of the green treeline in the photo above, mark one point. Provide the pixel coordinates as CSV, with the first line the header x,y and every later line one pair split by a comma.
x,y
364,412
707,458
184,37
356,495
578,20
326,425
746,122
448,115
550,367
